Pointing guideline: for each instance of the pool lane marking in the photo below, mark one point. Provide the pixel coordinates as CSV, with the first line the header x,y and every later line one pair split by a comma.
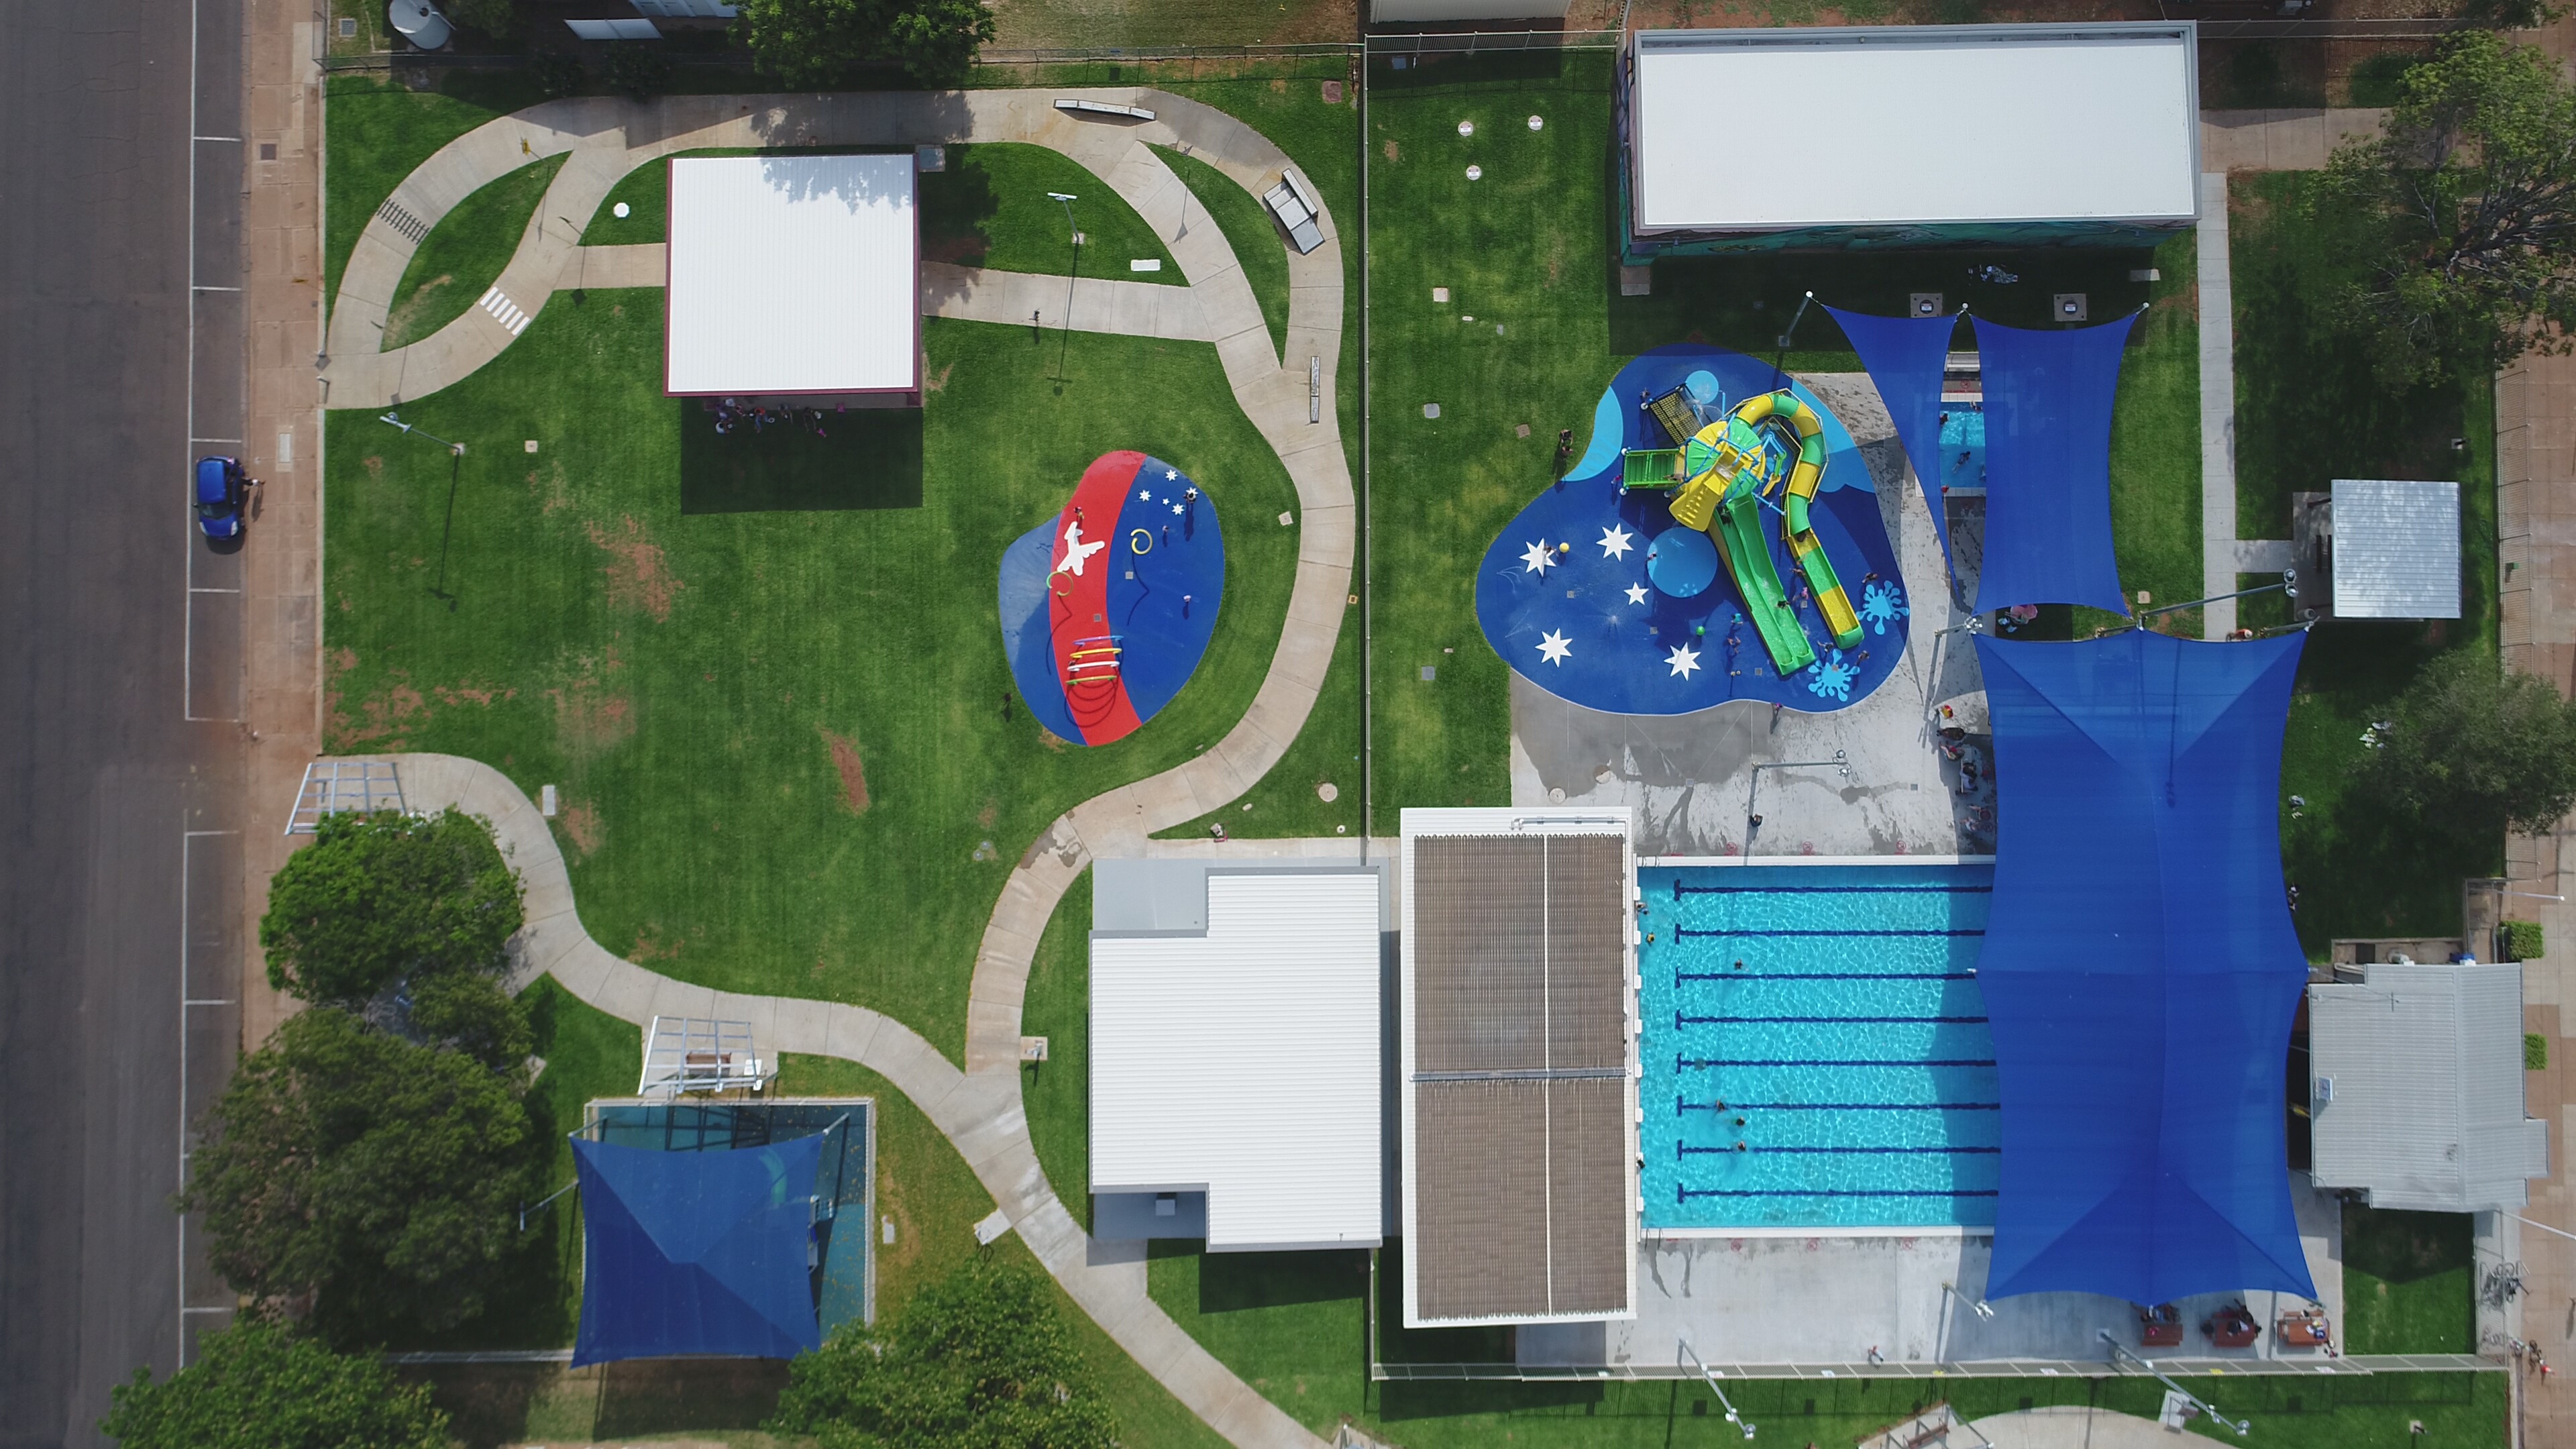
x,y
1680,890
1824,976
1680,1021
1685,1194
1762,933
1685,1150
1682,1063
1680,1106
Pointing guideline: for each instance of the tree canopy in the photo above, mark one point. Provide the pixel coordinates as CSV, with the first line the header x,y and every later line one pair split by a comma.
x,y
380,1176
815,42
979,1360
255,1385
2471,750
2462,213
378,898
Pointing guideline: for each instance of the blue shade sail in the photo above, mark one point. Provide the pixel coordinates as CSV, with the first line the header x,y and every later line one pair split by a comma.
x,y
696,1252
1905,358
2140,972
2048,465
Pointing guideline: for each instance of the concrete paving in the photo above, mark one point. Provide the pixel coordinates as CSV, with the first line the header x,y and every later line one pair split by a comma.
x,y
2073,1426
1096,304
2217,412
2291,140
979,1109
1775,1298
1691,776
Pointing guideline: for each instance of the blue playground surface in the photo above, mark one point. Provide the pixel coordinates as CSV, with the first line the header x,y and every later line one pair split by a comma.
x,y
1107,607
1597,596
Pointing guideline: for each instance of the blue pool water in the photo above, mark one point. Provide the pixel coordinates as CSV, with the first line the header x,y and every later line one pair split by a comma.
x,y
1851,1039
1963,445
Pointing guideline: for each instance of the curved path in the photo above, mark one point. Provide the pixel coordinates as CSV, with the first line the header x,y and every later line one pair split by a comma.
x,y
978,1109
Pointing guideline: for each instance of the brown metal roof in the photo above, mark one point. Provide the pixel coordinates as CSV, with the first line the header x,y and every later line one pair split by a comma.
x,y
1520,1150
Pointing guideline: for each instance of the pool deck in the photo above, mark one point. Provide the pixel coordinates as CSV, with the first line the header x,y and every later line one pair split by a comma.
x,y
1795,1297
1690,776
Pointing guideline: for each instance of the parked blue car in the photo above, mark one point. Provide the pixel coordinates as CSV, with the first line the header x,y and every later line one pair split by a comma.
x,y
223,489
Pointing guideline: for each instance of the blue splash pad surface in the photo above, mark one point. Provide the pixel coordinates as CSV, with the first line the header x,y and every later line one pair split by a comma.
x,y
1589,627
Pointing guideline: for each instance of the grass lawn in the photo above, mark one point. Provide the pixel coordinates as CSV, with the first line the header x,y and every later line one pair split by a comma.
x,y
2308,412
465,253
1248,230
765,671
1528,248
379,131
589,1054
2408,1282
1057,1091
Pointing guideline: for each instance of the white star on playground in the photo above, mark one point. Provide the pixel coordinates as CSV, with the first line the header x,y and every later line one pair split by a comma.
x,y
1614,541
1683,659
1176,508
1636,593
1169,475
1536,559
1555,648
1145,495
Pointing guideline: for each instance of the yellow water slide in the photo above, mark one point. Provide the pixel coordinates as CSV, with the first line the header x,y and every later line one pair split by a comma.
x,y
1796,529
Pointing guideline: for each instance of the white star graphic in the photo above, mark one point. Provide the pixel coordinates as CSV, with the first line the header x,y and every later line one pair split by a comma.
x,y
1176,508
1683,659
1169,475
1145,495
1555,648
1536,559
1636,593
1614,541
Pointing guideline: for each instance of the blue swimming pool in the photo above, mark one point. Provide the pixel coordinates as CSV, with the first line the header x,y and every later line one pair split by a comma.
x,y
1827,1018
1963,445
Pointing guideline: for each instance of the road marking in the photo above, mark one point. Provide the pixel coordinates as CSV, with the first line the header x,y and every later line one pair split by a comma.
x,y
202,589
202,287
504,311
236,140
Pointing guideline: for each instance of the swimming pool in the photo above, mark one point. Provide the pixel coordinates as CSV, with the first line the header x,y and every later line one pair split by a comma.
x,y
1963,445
1826,1017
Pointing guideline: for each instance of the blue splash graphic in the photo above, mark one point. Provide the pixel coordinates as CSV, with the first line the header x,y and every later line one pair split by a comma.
x,y
1831,677
1882,604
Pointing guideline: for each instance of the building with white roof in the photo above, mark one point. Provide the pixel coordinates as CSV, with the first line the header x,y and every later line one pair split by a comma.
x,y
794,277
1740,140
1235,1054
2417,1100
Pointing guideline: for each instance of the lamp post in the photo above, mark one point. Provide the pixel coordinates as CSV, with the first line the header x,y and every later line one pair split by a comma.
x,y
455,465
2120,1351
1753,821
2288,586
1075,235
1710,1379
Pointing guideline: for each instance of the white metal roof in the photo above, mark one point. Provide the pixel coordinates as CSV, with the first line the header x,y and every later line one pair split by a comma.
x,y
793,274
1760,130
2396,549
2426,1108
1243,1060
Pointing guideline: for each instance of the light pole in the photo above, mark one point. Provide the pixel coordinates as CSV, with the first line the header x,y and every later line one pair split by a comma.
x,y
1710,1379
455,465
1075,234
1753,821
2120,1351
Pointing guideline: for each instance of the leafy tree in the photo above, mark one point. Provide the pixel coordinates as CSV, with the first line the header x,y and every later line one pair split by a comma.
x,y
2472,751
815,42
2512,14
377,898
472,1013
978,1360
2462,214
257,1386
381,1176
639,69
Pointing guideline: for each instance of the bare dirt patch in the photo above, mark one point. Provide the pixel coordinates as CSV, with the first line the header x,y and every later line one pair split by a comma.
x,y
375,466
854,775
582,824
638,576
649,947
939,382
1394,152
590,715
550,486
991,812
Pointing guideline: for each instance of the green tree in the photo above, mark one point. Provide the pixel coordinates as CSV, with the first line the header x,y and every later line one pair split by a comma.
x,y
2461,214
472,1013
816,42
380,1176
2512,14
257,1386
2471,751
377,898
979,1360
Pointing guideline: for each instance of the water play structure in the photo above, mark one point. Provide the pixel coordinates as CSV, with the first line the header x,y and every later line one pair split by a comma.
x,y
1733,469
1107,607
1719,538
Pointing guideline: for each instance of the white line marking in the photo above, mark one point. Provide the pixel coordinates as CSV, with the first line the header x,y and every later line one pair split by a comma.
x,y
202,287
236,140
193,834
209,1003
200,589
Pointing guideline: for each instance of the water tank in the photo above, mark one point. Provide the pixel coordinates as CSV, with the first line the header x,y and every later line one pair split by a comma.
x,y
419,22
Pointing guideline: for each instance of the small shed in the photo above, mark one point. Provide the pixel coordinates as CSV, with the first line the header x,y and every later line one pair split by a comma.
x,y
794,277
2378,548
1235,1054
1832,137
2417,1098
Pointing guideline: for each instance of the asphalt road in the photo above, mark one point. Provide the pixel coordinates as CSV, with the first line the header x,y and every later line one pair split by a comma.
x,y
118,892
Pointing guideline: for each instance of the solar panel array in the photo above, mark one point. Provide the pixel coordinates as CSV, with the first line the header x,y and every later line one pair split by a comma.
x,y
1520,1068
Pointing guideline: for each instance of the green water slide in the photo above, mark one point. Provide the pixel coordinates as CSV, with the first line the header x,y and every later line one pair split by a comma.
x,y
1744,545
